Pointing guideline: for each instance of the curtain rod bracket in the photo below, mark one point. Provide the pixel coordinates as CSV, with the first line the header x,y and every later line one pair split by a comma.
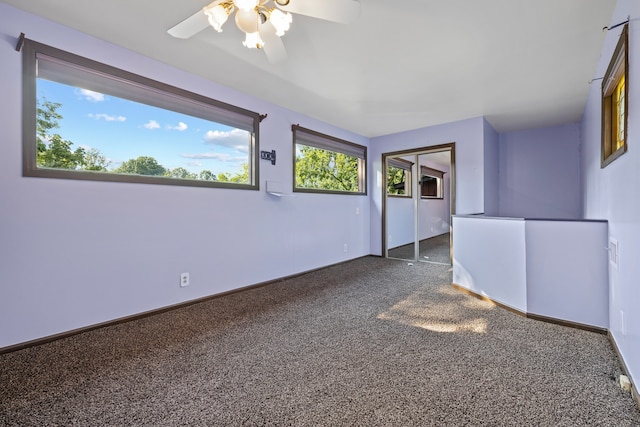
x,y
262,117
20,42
617,25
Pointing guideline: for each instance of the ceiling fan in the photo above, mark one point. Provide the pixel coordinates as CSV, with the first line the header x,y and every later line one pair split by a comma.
x,y
265,21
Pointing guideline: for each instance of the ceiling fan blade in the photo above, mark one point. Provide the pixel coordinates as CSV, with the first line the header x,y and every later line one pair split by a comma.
x,y
273,46
342,11
190,26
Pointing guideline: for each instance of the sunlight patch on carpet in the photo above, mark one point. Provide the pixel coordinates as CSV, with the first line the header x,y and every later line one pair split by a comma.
x,y
418,310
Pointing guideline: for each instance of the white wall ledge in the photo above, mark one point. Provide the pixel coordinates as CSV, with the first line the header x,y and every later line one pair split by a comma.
x,y
551,268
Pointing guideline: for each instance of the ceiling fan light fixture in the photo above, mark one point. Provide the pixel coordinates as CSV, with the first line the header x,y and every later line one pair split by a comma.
x,y
253,41
247,20
246,5
281,21
217,15
264,22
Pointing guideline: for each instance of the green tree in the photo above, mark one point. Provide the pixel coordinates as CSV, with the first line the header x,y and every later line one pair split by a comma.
x,y
52,150
327,170
55,152
241,177
395,180
94,160
207,175
181,173
143,165
47,118
58,154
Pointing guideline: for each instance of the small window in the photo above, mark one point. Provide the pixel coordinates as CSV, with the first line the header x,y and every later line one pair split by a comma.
x,y
87,120
615,103
327,164
399,177
431,183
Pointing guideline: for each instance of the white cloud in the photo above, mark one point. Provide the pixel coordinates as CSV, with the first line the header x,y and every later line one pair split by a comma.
x,y
152,124
223,157
90,95
237,139
108,118
181,126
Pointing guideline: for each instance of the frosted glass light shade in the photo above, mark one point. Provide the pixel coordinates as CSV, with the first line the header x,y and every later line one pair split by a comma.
x,y
281,21
247,20
217,16
246,4
253,41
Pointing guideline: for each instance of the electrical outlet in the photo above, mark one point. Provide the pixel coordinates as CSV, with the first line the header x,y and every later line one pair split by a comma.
x,y
623,324
346,247
184,280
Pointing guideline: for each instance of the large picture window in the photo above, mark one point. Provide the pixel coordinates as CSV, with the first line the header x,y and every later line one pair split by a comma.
x,y
615,103
326,164
87,120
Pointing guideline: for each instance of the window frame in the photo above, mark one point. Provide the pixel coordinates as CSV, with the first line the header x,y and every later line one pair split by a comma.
x,y
407,166
330,143
617,70
162,93
438,175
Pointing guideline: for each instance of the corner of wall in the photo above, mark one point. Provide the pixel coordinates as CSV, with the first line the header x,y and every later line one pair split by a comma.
x,y
491,169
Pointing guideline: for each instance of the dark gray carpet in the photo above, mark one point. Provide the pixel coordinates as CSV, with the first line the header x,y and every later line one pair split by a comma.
x,y
372,342
434,249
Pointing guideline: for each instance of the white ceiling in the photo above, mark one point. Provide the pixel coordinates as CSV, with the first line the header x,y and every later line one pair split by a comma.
x,y
402,65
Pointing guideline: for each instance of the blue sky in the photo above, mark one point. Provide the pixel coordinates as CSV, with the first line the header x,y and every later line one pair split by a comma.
x,y
123,130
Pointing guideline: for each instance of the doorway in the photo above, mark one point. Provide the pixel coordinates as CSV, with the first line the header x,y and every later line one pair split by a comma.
x,y
418,202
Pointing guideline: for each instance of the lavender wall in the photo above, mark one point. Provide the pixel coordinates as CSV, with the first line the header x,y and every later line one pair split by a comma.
x,y
491,170
567,271
434,215
490,258
540,173
613,193
468,136
78,253
524,264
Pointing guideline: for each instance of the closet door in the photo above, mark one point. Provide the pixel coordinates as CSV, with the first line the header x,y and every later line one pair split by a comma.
x,y
402,195
419,199
434,207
